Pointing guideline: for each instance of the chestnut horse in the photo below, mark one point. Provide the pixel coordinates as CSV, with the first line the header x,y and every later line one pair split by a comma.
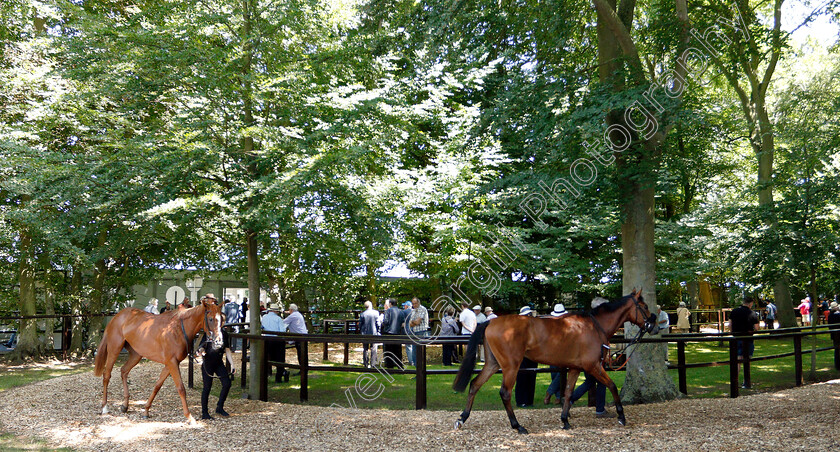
x,y
577,342
165,338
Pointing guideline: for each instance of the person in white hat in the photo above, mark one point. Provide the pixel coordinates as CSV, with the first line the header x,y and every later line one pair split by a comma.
x,y
488,312
556,387
525,310
479,316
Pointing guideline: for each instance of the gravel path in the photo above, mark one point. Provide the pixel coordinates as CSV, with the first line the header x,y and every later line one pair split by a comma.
x,y
64,412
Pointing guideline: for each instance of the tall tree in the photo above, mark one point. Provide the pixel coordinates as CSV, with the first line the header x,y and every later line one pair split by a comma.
x,y
748,59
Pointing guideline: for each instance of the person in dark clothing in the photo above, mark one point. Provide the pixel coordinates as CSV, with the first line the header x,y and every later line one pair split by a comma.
x,y
744,322
526,380
600,395
834,324
213,357
391,326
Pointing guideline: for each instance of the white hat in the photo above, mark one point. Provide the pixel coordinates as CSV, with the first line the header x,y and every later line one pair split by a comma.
x,y
559,310
525,310
488,309
598,301
477,308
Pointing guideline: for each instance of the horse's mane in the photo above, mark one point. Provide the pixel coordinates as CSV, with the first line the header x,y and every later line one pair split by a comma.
x,y
613,305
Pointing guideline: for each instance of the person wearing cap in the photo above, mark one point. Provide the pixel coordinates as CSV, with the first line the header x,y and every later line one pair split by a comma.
x,y
589,381
212,357
295,324
167,307
556,387
526,380
805,310
770,315
489,314
276,350
683,315
834,325
479,316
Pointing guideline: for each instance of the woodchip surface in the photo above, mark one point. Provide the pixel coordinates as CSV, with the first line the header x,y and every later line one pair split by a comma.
x,y
64,411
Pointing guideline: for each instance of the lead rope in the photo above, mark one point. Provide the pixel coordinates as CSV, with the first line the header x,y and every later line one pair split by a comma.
x,y
190,352
633,342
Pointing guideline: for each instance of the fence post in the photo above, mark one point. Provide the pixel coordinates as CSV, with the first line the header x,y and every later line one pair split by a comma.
x,y
746,345
263,376
420,375
326,345
346,347
733,368
243,374
797,353
304,370
681,367
190,366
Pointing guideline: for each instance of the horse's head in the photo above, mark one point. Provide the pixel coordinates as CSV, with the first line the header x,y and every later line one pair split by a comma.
x,y
212,320
642,316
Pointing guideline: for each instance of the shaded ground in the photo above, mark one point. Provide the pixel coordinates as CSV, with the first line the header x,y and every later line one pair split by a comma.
x,y
64,411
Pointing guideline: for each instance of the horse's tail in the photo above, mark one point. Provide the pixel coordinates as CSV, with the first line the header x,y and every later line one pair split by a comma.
x,y
101,357
468,363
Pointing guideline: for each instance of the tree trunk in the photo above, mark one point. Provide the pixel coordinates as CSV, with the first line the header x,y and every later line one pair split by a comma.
x,y
372,286
28,345
100,271
647,377
49,299
76,304
257,347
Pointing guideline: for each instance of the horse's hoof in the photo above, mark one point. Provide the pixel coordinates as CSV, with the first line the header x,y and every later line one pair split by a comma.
x,y
123,409
566,426
459,424
522,430
191,420
144,415
622,421
105,410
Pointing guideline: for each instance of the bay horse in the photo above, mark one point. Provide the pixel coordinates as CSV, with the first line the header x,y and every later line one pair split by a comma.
x,y
577,342
165,338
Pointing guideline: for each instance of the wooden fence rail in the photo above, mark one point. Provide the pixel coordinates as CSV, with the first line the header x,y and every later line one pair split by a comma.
x,y
421,371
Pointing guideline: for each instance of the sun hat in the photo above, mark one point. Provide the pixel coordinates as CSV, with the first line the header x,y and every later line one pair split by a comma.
x,y
559,310
477,308
488,309
525,310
